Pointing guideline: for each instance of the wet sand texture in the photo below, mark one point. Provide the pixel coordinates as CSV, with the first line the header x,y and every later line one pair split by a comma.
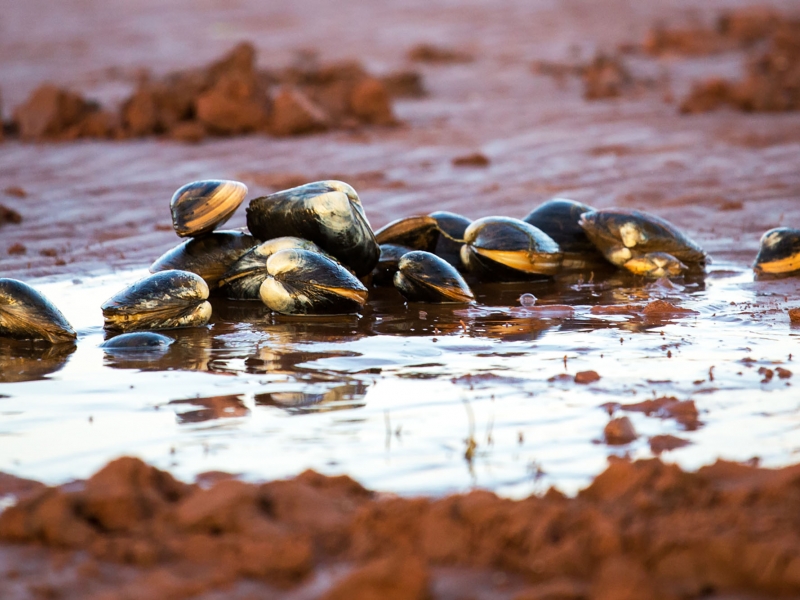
x,y
640,530
231,96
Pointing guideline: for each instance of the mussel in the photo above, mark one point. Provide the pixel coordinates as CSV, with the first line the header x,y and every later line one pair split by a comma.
x,y
779,252
506,249
26,314
626,237
388,262
243,279
209,256
137,341
163,300
327,213
301,282
202,206
440,232
559,218
424,277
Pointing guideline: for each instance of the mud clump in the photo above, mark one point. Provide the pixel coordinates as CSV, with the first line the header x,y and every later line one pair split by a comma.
x,y
229,97
640,526
430,53
772,78
619,431
8,215
605,77
476,159
586,377
794,315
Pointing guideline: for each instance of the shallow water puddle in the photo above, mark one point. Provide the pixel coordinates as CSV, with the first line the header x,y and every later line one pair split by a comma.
x,y
418,398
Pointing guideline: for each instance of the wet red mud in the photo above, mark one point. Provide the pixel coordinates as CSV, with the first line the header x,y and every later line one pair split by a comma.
x,y
641,530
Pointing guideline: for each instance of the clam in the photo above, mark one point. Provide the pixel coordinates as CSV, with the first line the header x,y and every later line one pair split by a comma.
x,y
26,314
243,279
163,300
301,282
327,213
559,218
202,206
209,256
624,236
506,249
779,251
424,277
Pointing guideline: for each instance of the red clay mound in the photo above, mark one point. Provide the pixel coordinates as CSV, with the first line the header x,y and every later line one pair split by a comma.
x,y
641,530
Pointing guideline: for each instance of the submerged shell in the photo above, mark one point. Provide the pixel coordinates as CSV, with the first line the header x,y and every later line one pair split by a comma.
x,y
202,206
209,256
137,341
506,249
26,314
164,300
424,277
779,251
327,213
559,218
302,282
243,279
625,234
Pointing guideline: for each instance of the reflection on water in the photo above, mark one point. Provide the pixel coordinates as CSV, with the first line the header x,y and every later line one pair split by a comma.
x,y
419,397
29,361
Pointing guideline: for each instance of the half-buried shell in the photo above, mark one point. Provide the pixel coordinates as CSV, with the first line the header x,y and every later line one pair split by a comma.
x,y
26,314
202,206
327,213
559,218
301,282
164,300
243,279
209,256
506,249
779,252
424,277
626,235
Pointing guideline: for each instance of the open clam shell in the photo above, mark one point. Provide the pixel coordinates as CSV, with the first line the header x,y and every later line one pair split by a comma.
x,y
301,282
779,252
26,314
164,300
506,249
209,256
243,279
202,206
559,218
424,277
327,213
625,234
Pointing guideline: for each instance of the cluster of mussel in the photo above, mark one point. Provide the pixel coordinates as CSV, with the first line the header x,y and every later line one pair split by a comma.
x,y
311,250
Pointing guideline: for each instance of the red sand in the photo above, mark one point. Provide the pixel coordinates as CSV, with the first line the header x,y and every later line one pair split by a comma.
x,y
641,530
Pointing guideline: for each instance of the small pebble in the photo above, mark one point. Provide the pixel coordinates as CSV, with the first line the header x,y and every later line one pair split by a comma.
x,y
619,431
586,377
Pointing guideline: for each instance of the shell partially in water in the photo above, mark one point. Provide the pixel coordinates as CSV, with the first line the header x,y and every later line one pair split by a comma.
x,y
243,279
26,314
327,213
506,249
779,252
164,300
424,277
624,235
209,256
301,282
202,206
559,218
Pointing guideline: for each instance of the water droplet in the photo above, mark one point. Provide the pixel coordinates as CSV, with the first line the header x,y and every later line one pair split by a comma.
x,y
527,300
